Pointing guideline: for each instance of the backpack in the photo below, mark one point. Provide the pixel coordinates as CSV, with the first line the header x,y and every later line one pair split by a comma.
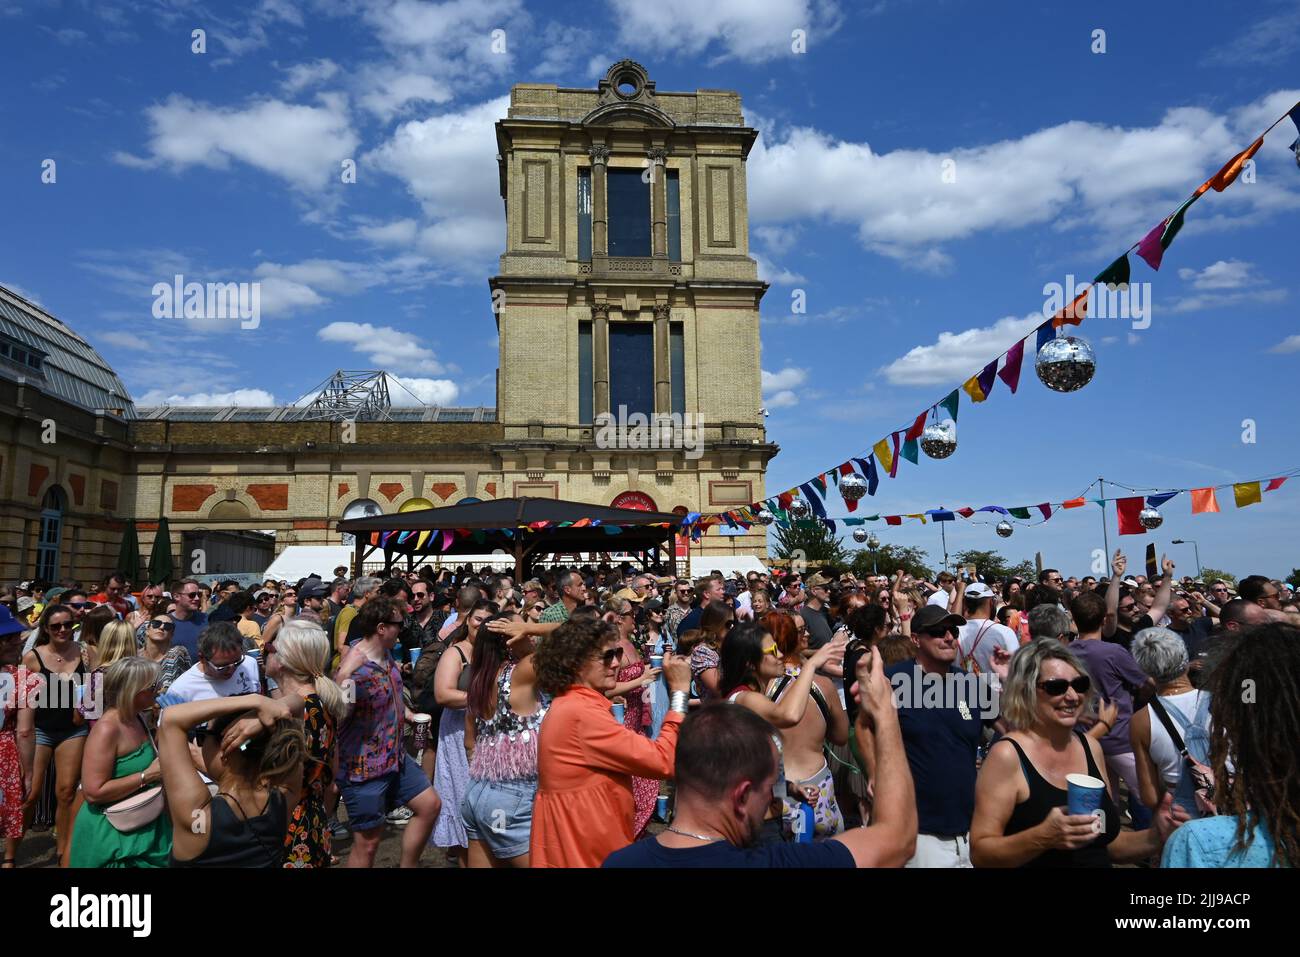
x,y
422,676
967,662
1195,788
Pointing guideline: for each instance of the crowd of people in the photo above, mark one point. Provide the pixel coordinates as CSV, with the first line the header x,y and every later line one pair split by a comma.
x,y
615,716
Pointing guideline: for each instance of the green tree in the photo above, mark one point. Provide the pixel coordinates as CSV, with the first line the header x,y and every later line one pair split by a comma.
x,y
889,559
991,565
1210,574
1294,578
809,542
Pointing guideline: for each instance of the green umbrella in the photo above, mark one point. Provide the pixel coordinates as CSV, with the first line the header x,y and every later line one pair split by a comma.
x,y
160,559
128,556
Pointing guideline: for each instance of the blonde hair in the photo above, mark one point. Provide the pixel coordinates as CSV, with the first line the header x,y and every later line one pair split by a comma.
x,y
126,678
1020,692
305,653
116,641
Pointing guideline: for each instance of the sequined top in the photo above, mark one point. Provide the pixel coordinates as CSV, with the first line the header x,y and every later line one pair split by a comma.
x,y
505,746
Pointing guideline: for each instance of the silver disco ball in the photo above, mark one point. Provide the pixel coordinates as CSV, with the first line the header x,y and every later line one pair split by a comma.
x,y
1005,528
853,487
765,517
800,509
939,440
1150,518
1066,365
859,535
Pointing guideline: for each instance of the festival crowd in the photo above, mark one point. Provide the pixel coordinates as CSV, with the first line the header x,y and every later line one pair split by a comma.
x,y
617,717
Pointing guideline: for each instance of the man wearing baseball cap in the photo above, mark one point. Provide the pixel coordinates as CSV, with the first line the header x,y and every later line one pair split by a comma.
x,y
981,634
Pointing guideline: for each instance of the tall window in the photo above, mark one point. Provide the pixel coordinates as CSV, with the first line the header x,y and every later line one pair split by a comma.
x,y
677,366
584,215
674,218
631,368
50,536
586,385
629,212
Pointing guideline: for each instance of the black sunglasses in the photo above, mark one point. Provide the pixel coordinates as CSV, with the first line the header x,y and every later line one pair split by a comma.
x,y
163,625
612,656
939,632
1055,687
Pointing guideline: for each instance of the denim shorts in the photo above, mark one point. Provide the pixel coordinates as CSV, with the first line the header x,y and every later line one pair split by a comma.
x,y
368,801
500,815
52,739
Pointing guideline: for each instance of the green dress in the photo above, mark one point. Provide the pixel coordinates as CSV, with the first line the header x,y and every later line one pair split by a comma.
x,y
96,843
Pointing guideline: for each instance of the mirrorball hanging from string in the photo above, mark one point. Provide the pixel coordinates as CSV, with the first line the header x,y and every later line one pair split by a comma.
x,y
1005,529
1066,364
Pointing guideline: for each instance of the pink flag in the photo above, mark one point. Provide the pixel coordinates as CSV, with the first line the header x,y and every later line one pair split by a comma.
x,y
1275,484
1010,372
1150,248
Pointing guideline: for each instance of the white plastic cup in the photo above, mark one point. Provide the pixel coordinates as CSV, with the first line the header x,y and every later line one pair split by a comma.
x,y
420,724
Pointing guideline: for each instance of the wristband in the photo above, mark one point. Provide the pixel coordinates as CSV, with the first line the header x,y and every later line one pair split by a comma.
x,y
677,701
906,617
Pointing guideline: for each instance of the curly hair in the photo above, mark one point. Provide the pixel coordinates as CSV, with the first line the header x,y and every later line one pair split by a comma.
x,y
564,652
1255,722
275,756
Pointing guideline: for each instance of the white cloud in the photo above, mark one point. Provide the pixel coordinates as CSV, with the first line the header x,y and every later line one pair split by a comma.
x,y
399,232
1221,300
779,387
778,275
256,397
303,145
1287,345
956,356
1224,274
30,296
385,347
749,30
1113,181
302,75
429,391
562,49
448,163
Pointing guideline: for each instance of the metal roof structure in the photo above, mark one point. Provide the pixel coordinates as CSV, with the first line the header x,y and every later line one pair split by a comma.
x,y
42,351
293,413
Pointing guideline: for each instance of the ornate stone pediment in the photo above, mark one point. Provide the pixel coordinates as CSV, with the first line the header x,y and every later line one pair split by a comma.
x,y
627,98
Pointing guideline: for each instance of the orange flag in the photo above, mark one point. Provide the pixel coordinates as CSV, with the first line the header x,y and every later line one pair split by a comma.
x,y
1232,169
1074,503
1203,500
1074,313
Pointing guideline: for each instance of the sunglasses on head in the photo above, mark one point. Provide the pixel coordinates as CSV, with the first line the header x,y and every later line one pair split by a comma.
x,y
611,656
1055,687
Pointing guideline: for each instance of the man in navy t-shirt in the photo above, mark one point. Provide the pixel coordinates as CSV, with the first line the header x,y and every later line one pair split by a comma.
x,y
728,774
189,620
941,716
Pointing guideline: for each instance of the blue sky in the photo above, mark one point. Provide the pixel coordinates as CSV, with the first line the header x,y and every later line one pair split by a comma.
x,y
224,166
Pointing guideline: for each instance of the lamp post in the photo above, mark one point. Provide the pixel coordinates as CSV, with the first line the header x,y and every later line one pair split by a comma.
x,y
873,543
1195,548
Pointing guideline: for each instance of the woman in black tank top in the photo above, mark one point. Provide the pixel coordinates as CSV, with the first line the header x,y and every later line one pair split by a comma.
x,y
245,821
60,737
1021,817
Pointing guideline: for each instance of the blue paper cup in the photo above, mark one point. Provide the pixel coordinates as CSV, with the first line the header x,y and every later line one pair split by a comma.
x,y
619,711
1084,795
415,655
656,661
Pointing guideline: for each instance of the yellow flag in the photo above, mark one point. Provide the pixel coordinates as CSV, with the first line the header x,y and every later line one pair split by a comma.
x,y
884,455
972,388
919,515
1247,493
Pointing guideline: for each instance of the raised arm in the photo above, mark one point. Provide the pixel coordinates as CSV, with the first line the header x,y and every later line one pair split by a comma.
x,y
890,839
1117,566
612,747
1164,595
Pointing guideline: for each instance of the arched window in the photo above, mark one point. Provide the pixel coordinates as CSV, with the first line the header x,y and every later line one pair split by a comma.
x,y
50,535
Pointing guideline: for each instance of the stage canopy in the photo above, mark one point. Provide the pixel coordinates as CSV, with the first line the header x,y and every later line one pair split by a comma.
x,y
524,528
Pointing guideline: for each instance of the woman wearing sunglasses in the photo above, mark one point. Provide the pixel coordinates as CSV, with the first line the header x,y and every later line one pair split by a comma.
x,y
717,619
1020,815
173,660
121,761
586,760
633,681
758,676
59,739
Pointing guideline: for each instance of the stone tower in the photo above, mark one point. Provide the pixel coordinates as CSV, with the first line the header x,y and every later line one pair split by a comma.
x,y
626,288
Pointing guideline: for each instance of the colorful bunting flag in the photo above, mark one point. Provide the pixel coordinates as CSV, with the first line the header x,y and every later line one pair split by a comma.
x,y
917,427
1246,493
1129,509
814,501
910,453
1046,509
820,482
1116,274
893,464
993,508
868,469
883,455
1275,484
1203,500
972,388
1074,313
1073,503
950,403
1232,169
893,520
1155,501
966,512
1010,372
1021,512
1046,333
1153,245
940,515
916,515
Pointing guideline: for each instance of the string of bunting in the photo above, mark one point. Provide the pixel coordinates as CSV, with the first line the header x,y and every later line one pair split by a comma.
x,y
1137,513
439,540
861,474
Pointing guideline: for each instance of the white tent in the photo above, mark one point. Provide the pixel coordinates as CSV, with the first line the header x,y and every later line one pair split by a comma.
x,y
299,561
729,565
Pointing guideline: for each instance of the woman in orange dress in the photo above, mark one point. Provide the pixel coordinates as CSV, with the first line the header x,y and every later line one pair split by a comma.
x,y
584,810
